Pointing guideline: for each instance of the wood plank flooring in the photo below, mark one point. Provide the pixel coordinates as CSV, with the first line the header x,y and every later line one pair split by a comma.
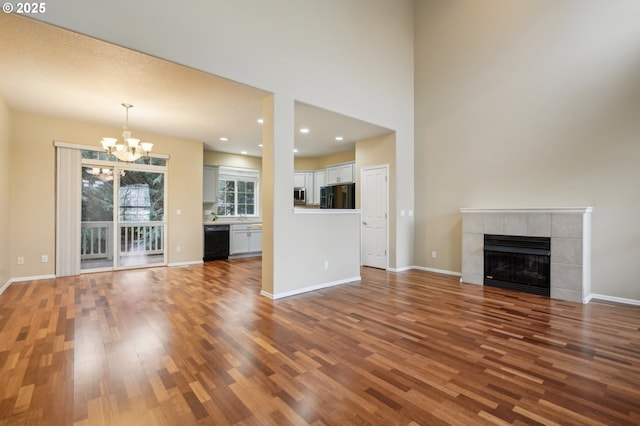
x,y
200,346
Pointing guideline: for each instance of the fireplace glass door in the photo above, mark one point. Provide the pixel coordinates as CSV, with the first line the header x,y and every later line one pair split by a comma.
x,y
518,263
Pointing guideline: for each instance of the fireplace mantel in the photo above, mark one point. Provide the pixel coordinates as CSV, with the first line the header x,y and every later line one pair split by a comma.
x,y
568,227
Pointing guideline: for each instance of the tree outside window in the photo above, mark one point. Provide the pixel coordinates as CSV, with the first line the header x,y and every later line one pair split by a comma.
x,y
236,197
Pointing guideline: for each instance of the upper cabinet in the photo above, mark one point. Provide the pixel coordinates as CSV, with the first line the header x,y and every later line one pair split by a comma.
x,y
299,179
341,173
210,184
312,181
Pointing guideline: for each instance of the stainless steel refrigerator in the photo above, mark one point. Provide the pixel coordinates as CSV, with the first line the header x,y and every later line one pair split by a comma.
x,y
342,196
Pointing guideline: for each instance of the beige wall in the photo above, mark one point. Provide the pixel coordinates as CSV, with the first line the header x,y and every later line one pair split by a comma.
x,y
530,104
319,163
380,151
5,200
215,158
33,189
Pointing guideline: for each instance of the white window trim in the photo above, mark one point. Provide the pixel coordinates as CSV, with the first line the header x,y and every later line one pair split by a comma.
x,y
246,175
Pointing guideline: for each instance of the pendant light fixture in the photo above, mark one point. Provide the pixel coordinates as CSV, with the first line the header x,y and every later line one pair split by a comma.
x,y
130,149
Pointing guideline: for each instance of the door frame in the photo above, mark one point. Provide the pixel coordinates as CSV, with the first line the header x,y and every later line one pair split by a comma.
x,y
362,192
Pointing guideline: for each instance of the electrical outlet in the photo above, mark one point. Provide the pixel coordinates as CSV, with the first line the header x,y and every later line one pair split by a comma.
x,y
326,264
45,258
179,249
434,254
20,260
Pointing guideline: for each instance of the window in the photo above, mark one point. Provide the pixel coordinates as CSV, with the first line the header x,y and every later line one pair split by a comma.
x,y
237,192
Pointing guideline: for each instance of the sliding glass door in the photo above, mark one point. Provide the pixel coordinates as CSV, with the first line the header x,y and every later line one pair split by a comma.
x,y
141,219
123,209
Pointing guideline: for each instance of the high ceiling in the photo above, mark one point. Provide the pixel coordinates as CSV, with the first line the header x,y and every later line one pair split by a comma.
x,y
51,71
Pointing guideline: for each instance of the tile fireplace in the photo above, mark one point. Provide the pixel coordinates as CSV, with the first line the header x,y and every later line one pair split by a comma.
x,y
568,231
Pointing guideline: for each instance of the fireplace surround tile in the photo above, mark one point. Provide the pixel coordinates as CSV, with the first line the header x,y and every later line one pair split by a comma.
x,y
566,250
567,277
570,232
473,223
538,225
515,224
494,224
566,225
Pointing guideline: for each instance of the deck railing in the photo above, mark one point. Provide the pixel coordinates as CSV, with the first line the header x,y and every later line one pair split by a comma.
x,y
96,240
138,238
141,238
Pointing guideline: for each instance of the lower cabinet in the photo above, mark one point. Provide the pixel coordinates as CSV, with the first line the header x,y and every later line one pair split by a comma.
x,y
245,239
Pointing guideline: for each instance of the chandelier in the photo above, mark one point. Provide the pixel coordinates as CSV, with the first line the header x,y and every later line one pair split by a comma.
x,y
130,149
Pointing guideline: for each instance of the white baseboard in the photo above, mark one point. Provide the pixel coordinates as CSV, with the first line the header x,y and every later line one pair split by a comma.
x,y
24,279
424,268
437,271
34,278
611,299
308,289
183,264
5,286
403,269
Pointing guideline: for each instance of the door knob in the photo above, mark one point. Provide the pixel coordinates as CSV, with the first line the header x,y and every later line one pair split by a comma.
x,y
364,223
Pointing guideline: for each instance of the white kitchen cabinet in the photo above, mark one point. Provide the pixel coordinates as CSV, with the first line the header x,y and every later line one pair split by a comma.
x,y
319,180
245,239
209,184
299,180
305,180
255,241
341,173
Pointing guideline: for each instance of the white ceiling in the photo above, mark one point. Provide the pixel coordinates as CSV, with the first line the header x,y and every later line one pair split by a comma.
x,y
51,71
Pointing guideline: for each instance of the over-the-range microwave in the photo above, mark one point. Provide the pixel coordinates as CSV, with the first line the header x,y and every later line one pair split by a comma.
x,y
299,196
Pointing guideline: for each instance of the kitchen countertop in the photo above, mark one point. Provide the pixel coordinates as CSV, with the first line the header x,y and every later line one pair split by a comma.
x,y
233,222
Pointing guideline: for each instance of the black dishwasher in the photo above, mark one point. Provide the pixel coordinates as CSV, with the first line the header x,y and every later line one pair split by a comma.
x,y
216,242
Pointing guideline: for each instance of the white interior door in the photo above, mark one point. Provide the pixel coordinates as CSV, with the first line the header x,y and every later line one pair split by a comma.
x,y
375,207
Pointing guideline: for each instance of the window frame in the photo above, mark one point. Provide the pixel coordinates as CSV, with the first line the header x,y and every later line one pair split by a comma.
x,y
237,175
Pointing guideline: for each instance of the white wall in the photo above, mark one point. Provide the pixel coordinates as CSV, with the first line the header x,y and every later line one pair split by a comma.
x,y
354,57
530,103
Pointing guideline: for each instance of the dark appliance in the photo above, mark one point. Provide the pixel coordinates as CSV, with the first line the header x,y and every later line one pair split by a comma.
x,y
341,196
518,263
299,196
216,242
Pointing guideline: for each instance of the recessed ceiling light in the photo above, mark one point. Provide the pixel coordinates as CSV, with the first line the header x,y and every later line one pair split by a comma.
x,y
260,145
295,150
304,130
223,139
243,152
260,121
339,138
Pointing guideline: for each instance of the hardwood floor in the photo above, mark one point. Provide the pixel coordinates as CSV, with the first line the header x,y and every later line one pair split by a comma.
x,y
199,345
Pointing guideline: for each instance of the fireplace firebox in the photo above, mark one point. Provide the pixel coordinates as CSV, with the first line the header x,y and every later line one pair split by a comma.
x,y
518,263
